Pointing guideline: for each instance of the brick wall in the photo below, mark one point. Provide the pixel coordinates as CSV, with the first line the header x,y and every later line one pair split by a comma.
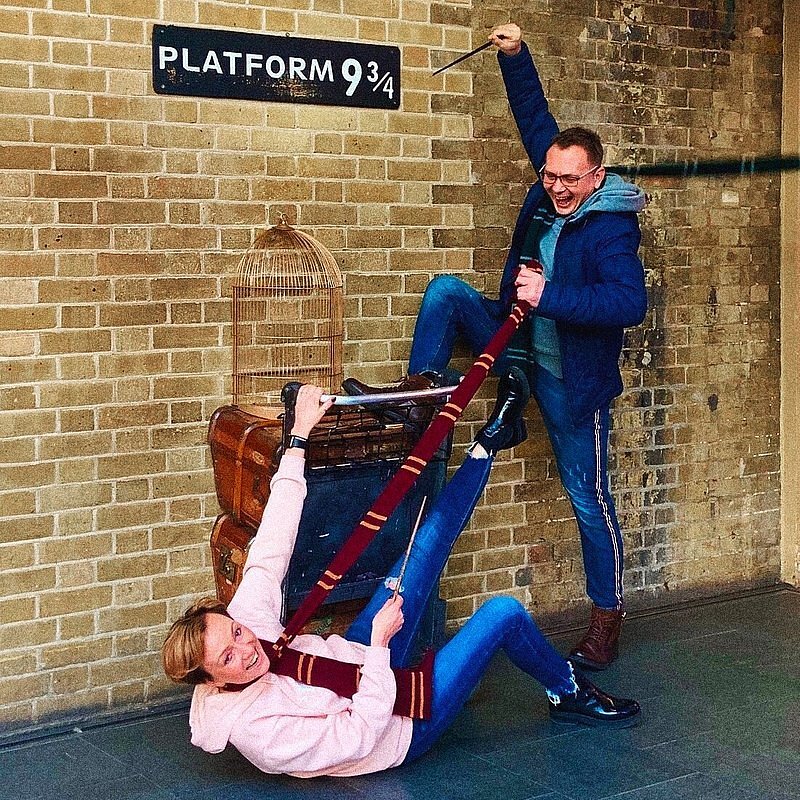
x,y
123,214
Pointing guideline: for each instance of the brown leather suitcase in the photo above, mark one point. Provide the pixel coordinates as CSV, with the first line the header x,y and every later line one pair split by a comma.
x,y
244,453
230,543
245,450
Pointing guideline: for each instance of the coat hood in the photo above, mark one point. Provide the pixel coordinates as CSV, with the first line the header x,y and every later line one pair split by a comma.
x,y
615,194
214,713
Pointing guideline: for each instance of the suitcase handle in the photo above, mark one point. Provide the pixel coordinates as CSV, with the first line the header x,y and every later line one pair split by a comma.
x,y
258,489
231,560
227,567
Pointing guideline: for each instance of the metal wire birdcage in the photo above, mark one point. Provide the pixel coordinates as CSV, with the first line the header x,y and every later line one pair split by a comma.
x,y
287,317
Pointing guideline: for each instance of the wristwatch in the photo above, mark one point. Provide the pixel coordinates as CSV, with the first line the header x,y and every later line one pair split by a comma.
x,y
297,441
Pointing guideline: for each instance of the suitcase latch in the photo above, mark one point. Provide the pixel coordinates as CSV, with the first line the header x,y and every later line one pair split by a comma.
x,y
226,566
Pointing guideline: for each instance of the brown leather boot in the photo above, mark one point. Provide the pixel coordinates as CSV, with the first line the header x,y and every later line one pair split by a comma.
x,y
600,644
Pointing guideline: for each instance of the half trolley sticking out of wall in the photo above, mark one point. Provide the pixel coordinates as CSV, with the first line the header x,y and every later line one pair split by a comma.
x,y
287,318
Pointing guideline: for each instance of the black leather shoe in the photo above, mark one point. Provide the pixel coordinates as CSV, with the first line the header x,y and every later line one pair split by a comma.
x,y
591,706
505,427
413,415
411,383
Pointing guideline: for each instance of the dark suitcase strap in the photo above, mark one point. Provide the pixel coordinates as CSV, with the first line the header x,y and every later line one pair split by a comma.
x,y
237,481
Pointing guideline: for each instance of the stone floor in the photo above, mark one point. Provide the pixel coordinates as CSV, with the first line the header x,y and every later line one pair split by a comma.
x,y
719,684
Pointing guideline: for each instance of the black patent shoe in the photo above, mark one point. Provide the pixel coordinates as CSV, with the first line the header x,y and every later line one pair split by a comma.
x,y
592,706
505,427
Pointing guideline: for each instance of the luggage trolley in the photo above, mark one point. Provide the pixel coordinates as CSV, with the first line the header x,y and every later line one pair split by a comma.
x,y
354,450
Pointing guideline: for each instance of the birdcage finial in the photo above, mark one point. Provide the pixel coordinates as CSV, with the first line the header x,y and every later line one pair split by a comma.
x,y
283,222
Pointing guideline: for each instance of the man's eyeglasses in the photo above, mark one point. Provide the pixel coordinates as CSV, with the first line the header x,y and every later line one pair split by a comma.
x,y
568,181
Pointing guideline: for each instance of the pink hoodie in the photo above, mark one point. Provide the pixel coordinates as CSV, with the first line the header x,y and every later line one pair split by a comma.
x,y
278,724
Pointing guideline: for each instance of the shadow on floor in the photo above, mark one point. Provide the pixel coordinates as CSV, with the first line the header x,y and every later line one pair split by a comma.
x,y
719,685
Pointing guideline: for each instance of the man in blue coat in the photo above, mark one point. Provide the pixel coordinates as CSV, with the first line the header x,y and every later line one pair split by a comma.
x,y
573,257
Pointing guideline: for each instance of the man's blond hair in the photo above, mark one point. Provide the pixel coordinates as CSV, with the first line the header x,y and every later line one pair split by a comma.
x,y
183,650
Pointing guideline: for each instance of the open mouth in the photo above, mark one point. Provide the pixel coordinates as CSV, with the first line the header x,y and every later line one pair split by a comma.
x,y
253,661
563,202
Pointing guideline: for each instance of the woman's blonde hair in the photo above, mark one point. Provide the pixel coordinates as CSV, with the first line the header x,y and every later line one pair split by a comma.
x,y
184,649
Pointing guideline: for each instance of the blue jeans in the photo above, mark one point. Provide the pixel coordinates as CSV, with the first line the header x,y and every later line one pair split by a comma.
x,y
452,310
581,452
501,623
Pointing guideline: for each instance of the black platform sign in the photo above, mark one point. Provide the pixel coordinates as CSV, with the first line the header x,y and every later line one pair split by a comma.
x,y
248,66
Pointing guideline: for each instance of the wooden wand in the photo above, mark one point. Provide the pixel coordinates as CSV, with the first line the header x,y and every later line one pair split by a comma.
x,y
467,55
408,549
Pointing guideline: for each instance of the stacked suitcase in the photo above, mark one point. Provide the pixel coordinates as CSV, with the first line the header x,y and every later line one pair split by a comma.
x,y
351,455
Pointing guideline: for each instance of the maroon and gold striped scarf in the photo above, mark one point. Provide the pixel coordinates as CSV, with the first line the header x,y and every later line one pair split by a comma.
x,y
414,684
401,481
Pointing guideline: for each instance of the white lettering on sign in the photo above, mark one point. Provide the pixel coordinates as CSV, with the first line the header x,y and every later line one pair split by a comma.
x,y
166,55
324,74
231,60
233,63
297,68
252,61
186,65
212,62
199,62
275,67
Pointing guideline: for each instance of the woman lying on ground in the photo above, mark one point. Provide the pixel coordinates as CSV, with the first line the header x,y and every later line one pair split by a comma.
x,y
292,724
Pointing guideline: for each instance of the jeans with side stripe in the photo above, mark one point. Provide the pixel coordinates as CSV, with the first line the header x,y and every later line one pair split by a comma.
x,y
581,453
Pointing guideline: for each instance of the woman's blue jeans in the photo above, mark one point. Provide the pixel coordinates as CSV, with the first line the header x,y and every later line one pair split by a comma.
x,y
453,310
501,623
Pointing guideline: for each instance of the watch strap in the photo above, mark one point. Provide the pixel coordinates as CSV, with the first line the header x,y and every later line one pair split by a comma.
x,y
297,441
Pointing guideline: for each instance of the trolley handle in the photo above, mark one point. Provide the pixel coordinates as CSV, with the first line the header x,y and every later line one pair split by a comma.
x,y
387,397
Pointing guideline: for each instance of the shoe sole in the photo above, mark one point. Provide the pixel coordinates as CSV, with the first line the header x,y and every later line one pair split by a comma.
x,y
594,666
592,722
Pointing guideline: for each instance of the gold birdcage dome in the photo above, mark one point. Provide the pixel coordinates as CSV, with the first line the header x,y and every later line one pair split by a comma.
x,y
287,317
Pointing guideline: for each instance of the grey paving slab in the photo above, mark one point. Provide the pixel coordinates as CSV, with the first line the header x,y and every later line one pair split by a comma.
x,y
161,749
696,787
66,767
757,752
276,787
719,686
450,773
588,764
